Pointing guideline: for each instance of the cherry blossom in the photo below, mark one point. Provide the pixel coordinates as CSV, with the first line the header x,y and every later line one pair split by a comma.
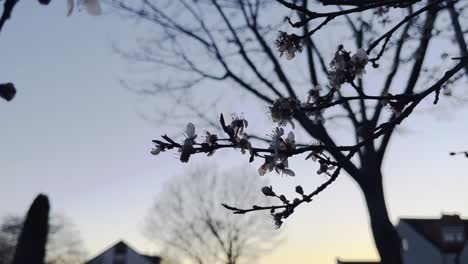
x,y
288,44
187,148
283,110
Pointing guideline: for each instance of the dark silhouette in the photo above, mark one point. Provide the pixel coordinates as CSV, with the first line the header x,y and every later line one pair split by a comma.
x,y
31,247
7,91
64,245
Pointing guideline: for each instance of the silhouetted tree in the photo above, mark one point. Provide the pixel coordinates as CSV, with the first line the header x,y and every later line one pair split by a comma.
x,y
64,245
32,241
187,218
234,45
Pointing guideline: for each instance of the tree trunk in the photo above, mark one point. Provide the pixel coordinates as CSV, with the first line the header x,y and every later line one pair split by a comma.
x,y
386,238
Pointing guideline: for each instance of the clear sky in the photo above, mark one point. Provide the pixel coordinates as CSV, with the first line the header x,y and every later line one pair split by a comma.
x,y
75,134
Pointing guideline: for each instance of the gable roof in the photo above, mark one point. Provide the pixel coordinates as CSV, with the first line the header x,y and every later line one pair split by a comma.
x,y
434,230
122,251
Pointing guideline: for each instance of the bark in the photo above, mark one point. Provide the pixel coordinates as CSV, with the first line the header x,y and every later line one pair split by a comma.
x,y
386,238
369,179
459,36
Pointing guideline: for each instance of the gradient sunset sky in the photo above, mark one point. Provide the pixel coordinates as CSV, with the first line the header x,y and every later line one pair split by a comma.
x,y
75,134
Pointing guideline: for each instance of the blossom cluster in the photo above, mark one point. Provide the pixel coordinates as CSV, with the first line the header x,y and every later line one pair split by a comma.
x,y
278,161
344,67
283,109
288,44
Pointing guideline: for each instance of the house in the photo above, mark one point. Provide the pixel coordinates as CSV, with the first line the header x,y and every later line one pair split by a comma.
x,y
121,253
357,262
432,241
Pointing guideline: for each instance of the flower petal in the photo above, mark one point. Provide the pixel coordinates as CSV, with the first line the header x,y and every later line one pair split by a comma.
x,y
190,130
262,170
291,136
289,172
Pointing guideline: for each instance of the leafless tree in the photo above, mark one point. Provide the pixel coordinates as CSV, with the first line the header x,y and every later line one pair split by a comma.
x,y
230,46
64,245
187,218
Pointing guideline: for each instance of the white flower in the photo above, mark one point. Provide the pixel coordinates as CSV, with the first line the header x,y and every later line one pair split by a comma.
x,y
211,139
339,61
276,140
325,168
283,109
359,61
278,132
269,165
187,148
289,44
339,65
345,68
313,94
279,161
238,124
360,57
312,156
244,145
288,172
93,7
290,141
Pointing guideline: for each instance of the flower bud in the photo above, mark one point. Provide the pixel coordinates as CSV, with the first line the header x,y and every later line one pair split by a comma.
x,y
268,191
299,190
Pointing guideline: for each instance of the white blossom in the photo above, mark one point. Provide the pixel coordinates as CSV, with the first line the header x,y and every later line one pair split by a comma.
x,y
313,94
211,140
278,161
359,60
345,68
283,109
238,124
187,148
288,172
267,166
288,44
312,156
190,131
244,145
325,168
290,141
276,140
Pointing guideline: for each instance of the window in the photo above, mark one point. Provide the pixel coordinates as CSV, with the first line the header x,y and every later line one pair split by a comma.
x,y
119,259
453,234
405,244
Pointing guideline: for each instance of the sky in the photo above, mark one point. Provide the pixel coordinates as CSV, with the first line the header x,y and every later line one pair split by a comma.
x,y
74,133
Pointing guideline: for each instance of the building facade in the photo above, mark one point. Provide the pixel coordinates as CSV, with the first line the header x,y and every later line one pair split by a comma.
x,y
431,241
121,253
